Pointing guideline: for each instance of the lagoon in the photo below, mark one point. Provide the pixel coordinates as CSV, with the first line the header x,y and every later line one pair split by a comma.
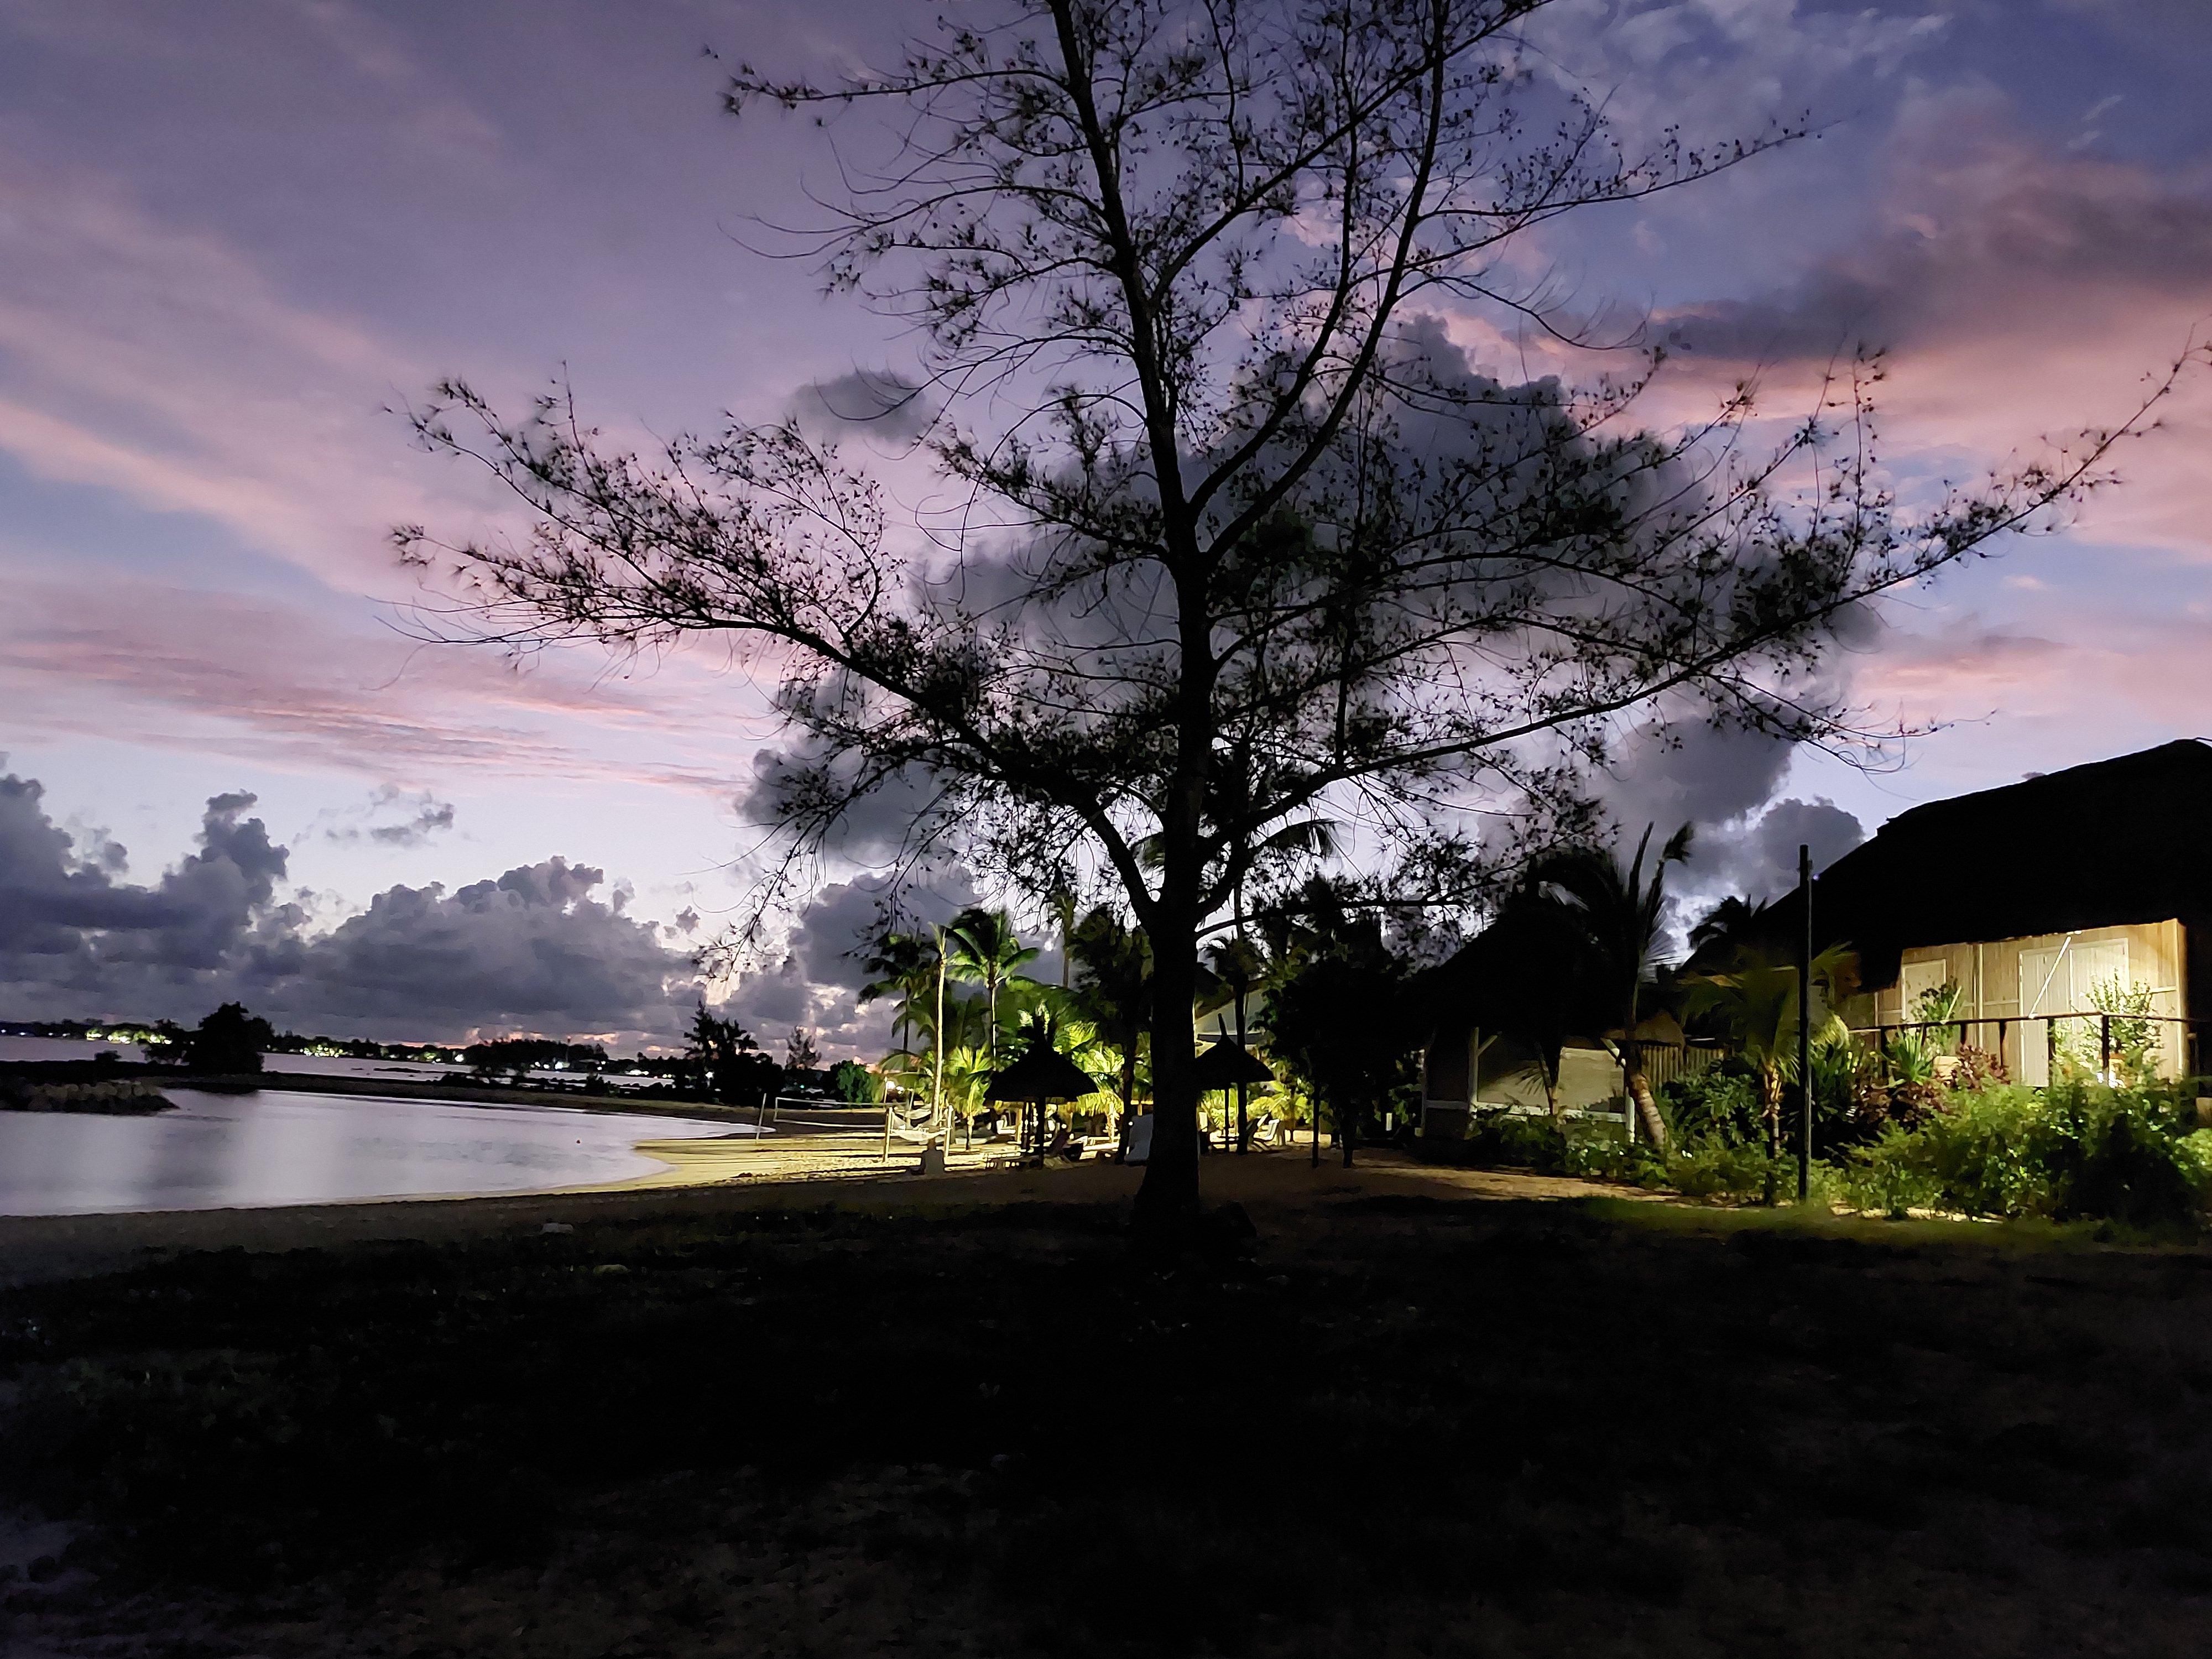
x,y
277,1146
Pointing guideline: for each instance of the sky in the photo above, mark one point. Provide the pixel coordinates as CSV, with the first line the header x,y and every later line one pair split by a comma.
x,y
237,237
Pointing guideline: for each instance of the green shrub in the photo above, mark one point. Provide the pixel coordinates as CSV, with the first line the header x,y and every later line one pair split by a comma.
x,y
1714,1166
1721,1103
1599,1151
2133,1156
854,1084
2075,1151
1515,1141
1594,1150
1892,1175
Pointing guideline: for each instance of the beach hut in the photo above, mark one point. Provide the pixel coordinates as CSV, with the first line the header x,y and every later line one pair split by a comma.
x,y
1040,1075
1228,1064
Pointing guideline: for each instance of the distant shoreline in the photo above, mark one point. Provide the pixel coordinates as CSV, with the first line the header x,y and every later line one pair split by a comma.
x,y
823,1117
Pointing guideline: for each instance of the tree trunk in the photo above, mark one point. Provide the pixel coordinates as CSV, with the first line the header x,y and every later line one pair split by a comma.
x,y
1647,1109
1770,1088
1167,1201
1243,1123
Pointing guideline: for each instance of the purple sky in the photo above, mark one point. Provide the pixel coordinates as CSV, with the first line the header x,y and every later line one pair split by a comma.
x,y
232,235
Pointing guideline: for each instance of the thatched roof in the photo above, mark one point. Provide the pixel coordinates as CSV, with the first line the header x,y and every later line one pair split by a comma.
x,y
1522,971
2114,842
1042,1074
1226,1063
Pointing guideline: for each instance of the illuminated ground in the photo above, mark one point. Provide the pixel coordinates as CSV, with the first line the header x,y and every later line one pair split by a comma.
x,y
1407,1416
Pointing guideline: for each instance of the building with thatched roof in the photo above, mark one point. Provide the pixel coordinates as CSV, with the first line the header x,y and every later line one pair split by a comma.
x,y
2065,894
2022,916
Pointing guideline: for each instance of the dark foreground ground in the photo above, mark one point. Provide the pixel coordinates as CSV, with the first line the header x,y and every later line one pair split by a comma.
x,y
1390,1424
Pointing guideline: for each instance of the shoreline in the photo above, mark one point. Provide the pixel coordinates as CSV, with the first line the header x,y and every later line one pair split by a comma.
x,y
830,1144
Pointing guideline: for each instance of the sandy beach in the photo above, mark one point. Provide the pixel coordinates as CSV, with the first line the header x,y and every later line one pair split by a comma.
x,y
791,1169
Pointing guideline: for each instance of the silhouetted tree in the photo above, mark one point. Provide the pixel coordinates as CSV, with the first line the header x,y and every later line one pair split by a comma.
x,y
228,1042
903,964
1266,511
799,1054
731,1065
1342,1021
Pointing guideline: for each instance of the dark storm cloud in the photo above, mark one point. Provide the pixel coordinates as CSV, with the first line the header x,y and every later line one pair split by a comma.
x,y
533,949
55,903
1692,773
530,951
891,824
1724,784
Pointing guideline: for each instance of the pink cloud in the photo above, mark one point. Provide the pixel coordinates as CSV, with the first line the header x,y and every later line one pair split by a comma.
x,y
243,675
165,365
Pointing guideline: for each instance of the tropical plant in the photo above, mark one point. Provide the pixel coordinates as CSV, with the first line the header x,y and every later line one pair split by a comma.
x,y
1924,1036
968,1073
2119,1047
1721,1103
1849,1095
981,945
2076,1150
1757,1004
902,966
1619,916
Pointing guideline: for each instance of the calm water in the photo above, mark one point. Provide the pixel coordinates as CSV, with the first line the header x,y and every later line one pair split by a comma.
x,y
278,1146
15,1048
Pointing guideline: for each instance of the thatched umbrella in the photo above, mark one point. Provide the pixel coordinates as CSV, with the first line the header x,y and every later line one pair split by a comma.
x,y
1228,1064
1042,1074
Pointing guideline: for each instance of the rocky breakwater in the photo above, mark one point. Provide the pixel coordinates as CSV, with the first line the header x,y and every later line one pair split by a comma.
x,y
22,1090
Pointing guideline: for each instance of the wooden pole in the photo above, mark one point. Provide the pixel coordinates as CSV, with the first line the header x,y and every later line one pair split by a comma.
x,y
1805,1022
937,1081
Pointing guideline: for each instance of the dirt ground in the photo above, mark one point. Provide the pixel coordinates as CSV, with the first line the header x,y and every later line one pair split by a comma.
x,y
1409,1411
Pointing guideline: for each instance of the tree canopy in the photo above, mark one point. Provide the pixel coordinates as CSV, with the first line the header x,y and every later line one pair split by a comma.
x,y
1244,539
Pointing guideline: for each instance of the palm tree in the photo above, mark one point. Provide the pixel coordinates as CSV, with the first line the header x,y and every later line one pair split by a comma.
x,y
982,945
904,965
1757,1002
1617,912
966,1073
1063,906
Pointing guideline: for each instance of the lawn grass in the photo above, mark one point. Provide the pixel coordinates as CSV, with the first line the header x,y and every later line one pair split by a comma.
x,y
1389,1422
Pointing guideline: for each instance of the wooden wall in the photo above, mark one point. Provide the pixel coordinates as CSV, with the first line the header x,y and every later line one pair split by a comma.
x,y
2016,981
